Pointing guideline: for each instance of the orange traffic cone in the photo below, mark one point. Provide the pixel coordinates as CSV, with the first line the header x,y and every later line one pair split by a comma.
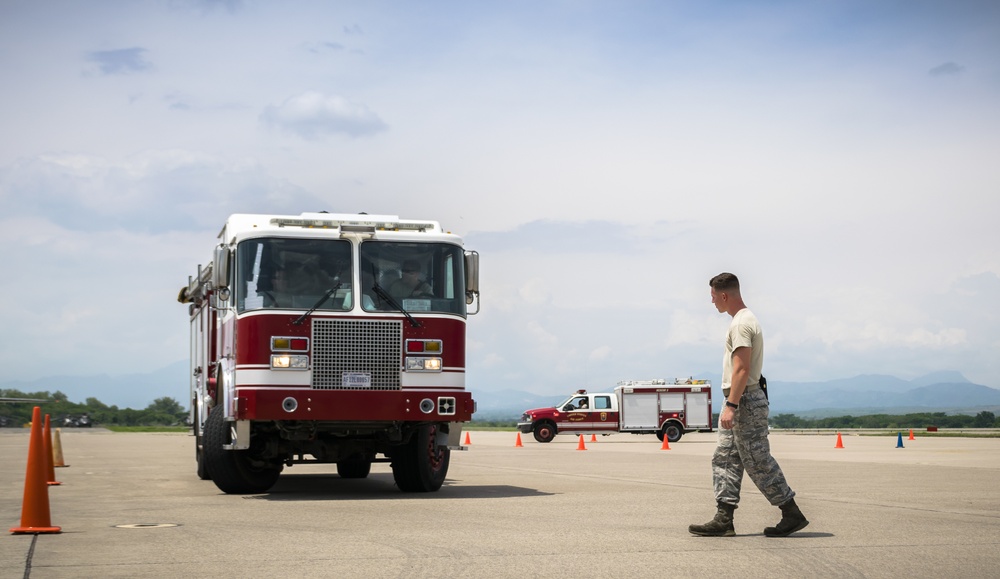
x,y
518,443
35,516
665,445
593,438
57,454
50,471
467,440
840,442
581,446
911,434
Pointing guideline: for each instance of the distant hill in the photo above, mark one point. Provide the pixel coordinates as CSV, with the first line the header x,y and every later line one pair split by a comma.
x,y
126,391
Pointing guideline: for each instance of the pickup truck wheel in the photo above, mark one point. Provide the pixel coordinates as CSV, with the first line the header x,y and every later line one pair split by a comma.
x,y
234,471
357,466
544,432
671,432
420,465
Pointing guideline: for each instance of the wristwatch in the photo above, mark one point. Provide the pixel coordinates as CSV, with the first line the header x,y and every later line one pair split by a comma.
x,y
733,406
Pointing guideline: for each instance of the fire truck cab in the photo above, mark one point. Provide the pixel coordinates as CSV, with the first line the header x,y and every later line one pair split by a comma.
x,y
658,407
330,338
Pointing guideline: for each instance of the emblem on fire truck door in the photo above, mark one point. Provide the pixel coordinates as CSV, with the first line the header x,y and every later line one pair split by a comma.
x,y
604,417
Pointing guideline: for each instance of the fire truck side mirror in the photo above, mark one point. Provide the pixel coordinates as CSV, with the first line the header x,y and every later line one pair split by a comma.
x,y
220,267
471,276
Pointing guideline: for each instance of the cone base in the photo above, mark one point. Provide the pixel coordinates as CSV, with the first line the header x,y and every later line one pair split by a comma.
x,y
34,530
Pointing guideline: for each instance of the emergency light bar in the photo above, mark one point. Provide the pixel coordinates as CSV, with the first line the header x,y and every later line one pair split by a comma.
x,y
352,225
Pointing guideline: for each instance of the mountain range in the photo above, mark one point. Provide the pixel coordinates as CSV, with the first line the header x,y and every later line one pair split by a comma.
x,y
864,394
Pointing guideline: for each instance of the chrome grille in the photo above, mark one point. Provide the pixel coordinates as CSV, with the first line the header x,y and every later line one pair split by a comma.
x,y
356,346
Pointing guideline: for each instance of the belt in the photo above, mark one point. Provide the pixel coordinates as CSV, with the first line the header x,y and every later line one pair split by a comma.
x,y
749,388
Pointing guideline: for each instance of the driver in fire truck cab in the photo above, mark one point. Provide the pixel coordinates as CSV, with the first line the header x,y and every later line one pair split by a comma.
x,y
299,280
410,285
578,403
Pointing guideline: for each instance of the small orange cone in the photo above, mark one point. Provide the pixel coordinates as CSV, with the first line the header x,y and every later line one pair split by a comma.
x,y
581,446
57,454
666,444
50,471
35,516
518,443
911,434
593,438
467,440
840,442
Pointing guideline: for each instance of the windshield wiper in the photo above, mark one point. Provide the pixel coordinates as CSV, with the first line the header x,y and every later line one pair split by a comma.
x,y
321,301
382,294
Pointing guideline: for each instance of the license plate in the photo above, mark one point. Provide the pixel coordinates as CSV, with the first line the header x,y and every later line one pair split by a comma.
x,y
356,380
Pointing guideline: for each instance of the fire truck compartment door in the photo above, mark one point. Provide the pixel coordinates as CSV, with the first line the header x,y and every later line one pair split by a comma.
x,y
639,411
698,415
671,402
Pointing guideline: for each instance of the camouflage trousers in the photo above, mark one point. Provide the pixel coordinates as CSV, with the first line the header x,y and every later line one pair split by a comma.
x,y
745,447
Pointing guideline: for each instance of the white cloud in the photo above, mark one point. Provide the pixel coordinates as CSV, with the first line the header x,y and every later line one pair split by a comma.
x,y
312,115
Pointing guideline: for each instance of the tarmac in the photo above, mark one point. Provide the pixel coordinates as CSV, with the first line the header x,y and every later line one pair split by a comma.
x,y
131,505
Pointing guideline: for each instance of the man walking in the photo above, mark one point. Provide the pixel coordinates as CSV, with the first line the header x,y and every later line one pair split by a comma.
x,y
743,441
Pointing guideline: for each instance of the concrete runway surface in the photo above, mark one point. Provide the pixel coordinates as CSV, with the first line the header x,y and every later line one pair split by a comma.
x,y
130,505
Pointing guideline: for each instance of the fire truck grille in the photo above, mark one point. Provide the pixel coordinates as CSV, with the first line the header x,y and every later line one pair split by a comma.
x,y
356,354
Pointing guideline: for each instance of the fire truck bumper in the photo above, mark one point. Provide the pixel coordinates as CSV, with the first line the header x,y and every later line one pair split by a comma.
x,y
354,405
524,427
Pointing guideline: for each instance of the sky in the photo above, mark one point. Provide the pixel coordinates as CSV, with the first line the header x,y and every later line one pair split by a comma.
x,y
605,158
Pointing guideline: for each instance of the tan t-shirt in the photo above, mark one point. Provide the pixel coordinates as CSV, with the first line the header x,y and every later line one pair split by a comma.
x,y
744,332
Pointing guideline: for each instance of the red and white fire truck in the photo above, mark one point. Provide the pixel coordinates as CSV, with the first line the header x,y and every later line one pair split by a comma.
x,y
330,338
637,406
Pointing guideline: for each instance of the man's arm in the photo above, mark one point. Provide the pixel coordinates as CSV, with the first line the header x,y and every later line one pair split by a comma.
x,y
741,373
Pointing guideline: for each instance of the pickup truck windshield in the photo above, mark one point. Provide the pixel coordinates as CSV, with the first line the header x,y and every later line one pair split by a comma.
x,y
294,274
419,277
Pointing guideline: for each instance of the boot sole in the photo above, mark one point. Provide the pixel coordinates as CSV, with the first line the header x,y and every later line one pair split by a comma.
x,y
798,527
727,533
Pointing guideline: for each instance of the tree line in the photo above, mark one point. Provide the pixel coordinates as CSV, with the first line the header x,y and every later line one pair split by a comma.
x,y
984,419
161,412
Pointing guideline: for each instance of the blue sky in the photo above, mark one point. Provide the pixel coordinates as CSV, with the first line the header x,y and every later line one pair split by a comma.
x,y
605,158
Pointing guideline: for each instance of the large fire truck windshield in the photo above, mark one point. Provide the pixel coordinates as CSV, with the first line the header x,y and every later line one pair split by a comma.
x,y
296,273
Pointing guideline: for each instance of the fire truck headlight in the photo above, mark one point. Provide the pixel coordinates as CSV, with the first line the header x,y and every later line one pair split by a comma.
x,y
423,364
289,362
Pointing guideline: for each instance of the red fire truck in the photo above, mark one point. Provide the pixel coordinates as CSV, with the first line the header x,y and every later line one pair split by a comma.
x,y
330,338
637,406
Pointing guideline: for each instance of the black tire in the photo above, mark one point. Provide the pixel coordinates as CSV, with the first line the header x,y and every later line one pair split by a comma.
x,y
544,431
234,471
419,466
199,447
357,466
671,432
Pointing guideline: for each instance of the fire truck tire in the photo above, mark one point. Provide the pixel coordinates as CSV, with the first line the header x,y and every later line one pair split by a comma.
x,y
357,466
671,432
232,470
419,465
544,431
199,450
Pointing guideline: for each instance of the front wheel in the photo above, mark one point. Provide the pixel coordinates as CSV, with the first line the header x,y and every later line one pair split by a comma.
x,y
235,472
544,432
420,465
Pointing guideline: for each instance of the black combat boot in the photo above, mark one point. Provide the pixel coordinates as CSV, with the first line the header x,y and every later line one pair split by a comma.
x,y
792,520
720,526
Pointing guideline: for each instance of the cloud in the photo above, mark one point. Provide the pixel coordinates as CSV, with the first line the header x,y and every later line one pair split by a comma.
x,y
120,61
171,190
947,69
312,115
